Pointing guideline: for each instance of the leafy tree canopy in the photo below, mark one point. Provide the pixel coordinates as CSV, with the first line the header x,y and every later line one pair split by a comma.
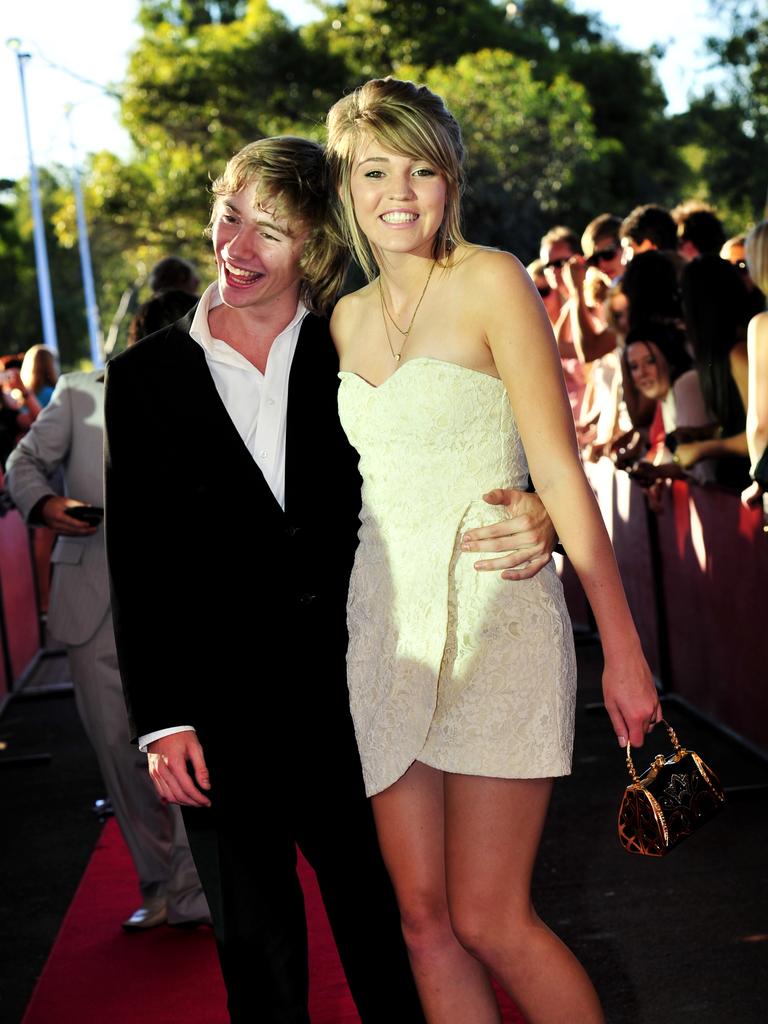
x,y
531,146
561,122
20,322
727,129
191,14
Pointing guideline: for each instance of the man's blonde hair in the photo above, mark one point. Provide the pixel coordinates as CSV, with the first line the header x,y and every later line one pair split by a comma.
x,y
291,176
410,120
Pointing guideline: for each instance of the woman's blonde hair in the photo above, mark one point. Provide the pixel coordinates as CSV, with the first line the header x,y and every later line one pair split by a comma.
x,y
39,368
410,120
756,247
291,176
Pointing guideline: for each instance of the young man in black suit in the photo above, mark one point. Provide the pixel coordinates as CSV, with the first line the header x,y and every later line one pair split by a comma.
x,y
232,502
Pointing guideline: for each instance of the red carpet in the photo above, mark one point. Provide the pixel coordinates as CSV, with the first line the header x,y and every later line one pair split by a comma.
x,y
96,973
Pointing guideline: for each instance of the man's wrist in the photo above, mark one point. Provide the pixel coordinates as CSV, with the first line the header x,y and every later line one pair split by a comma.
x,y
150,737
36,517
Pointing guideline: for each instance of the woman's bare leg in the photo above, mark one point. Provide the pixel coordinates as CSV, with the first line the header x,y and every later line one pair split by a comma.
x,y
453,986
493,828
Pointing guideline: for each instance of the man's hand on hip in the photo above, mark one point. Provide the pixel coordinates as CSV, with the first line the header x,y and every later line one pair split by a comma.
x,y
526,535
169,759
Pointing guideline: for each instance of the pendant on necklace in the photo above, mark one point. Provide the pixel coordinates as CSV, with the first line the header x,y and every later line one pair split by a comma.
x,y
397,357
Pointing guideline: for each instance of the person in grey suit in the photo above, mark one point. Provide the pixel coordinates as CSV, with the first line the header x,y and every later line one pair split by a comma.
x,y
69,434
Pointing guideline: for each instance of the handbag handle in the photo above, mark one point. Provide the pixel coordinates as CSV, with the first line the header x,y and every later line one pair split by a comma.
x,y
675,744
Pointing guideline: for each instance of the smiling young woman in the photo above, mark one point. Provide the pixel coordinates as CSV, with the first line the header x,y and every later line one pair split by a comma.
x,y
399,201
461,689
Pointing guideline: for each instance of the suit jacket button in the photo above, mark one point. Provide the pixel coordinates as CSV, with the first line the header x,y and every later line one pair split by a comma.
x,y
292,530
307,598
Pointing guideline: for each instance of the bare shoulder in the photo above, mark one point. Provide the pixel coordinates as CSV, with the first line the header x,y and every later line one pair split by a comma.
x,y
477,260
758,330
496,291
349,314
490,274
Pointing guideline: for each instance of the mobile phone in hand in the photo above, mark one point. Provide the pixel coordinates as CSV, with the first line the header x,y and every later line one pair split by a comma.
x,y
90,514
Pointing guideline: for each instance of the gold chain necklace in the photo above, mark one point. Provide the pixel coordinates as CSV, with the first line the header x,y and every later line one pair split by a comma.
x,y
385,313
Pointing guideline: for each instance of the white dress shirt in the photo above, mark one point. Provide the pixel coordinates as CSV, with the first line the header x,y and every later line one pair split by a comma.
x,y
257,404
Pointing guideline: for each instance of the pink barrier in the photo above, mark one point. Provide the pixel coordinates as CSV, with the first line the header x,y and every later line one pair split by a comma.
x,y
19,600
4,681
696,576
714,571
625,512
43,540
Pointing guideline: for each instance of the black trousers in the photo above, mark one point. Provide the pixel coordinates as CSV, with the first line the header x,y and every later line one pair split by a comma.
x,y
244,846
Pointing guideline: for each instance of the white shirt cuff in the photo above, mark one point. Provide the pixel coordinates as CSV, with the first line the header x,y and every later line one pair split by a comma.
x,y
150,737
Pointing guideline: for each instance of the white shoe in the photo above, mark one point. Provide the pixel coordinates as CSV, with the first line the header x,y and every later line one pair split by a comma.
x,y
150,914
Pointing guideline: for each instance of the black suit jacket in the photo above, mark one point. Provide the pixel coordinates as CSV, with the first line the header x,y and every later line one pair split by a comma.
x,y
228,610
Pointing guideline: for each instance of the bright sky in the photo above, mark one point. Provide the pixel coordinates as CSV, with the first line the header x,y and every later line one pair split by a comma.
x,y
92,38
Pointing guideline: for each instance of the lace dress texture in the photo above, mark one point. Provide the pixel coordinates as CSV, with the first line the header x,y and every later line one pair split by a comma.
x,y
456,668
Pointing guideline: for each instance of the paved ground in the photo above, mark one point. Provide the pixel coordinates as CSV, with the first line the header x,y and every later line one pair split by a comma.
x,y
683,939
48,831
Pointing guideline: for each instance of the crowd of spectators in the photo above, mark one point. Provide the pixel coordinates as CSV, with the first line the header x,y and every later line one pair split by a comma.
x,y
661,326
662,331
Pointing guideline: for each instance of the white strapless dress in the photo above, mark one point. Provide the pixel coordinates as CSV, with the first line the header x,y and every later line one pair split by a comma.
x,y
458,669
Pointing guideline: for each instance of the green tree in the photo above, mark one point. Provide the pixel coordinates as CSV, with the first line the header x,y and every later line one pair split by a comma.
x,y
190,13
201,82
728,127
641,163
18,290
376,37
20,321
128,233
210,87
560,121
531,147
628,105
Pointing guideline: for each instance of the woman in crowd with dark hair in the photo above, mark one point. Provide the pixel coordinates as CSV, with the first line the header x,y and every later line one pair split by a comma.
x,y
715,306
648,292
661,390
650,285
652,358
461,687
158,311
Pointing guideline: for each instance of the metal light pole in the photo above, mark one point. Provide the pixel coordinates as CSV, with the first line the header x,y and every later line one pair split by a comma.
x,y
41,253
86,269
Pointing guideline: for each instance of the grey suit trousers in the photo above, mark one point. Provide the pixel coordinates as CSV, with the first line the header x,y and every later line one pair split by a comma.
x,y
154,831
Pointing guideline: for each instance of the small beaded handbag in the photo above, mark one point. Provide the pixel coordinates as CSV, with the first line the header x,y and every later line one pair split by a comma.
x,y
669,802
